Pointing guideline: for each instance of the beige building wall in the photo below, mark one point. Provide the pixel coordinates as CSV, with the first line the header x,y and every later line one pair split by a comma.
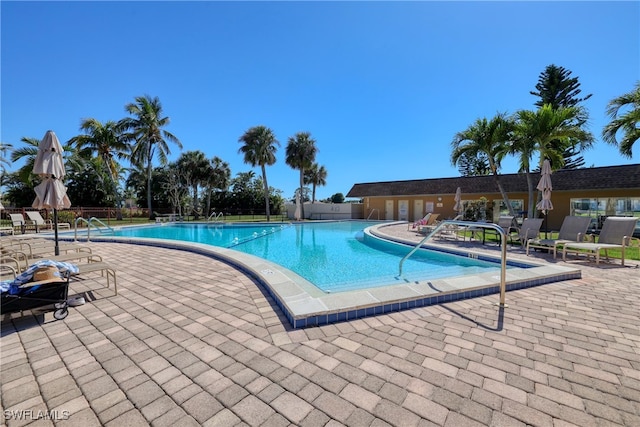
x,y
376,207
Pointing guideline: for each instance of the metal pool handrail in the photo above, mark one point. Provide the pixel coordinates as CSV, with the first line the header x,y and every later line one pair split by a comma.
x,y
503,251
89,224
216,217
372,211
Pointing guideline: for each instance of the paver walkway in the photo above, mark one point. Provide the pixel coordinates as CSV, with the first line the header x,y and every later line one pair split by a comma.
x,y
193,341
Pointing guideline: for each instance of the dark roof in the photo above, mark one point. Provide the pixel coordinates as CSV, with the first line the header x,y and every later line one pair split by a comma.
x,y
609,177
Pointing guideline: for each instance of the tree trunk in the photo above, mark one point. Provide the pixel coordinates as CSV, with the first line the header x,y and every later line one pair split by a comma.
x,y
196,216
531,205
149,189
301,193
266,192
505,197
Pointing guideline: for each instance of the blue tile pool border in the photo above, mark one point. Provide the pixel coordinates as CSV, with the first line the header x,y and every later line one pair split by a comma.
x,y
254,267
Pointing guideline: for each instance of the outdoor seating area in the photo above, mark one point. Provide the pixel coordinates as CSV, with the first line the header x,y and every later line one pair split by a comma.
x,y
616,233
573,229
573,236
22,252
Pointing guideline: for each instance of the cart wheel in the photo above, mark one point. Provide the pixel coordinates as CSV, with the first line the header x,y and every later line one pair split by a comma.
x,y
61,313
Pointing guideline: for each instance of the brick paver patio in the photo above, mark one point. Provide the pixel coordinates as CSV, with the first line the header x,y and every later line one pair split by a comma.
x,y
193,341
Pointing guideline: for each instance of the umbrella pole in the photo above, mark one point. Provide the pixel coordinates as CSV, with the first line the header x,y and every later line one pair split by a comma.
x,y
55,232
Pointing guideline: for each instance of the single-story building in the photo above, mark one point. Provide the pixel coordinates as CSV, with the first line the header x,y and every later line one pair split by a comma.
x,y
596,192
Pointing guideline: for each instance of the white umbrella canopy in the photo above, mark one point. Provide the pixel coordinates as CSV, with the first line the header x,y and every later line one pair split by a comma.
x,y
545,186
51,192
458,199
49,159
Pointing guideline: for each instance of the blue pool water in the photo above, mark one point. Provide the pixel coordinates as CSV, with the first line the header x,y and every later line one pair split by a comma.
x,y
334,256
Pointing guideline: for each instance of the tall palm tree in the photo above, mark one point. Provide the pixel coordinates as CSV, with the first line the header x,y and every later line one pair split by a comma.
x,y
107,141
315,175
486,137
260,146
628,123
3,154
547,132
148,136
219,178
300,154
195,166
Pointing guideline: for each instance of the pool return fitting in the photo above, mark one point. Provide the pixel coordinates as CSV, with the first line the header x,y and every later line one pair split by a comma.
x,y
471,224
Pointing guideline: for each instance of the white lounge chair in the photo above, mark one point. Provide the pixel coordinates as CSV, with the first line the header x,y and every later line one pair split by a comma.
x,y
573,229
40,222
616,233
20,224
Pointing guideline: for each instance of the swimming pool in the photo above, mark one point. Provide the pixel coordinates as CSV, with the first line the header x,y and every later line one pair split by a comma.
x,y
335,256
305,305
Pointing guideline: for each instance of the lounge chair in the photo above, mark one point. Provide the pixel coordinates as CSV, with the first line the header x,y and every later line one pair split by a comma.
x,y
420,222
42,223
450,230
20,224
530,229
616,233
104,269
429,225
573,229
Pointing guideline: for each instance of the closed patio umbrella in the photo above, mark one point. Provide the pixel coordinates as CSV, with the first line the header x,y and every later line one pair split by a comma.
x,y
51,192
545,186
458,199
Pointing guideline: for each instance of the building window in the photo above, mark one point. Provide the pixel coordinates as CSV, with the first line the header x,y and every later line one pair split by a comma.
x,y
518,208
600,208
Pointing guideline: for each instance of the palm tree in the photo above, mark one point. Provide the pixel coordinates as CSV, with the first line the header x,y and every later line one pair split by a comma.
x,y
73,159
260,146
3,150
301,153
627,123
316,175
195,168
219,178
107,141
489,138
547,132
150,139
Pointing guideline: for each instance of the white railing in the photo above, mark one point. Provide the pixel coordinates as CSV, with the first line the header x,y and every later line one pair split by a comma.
x,y
503,246
372,211
219,217
91,222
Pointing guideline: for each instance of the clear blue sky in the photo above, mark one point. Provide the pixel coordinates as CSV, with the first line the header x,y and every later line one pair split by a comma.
x,y
382,86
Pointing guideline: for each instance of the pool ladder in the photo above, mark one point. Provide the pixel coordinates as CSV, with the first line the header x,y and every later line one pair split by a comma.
x,y
503,250
219,217
90,223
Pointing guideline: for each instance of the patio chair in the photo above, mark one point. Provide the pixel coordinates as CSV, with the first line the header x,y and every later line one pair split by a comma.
x,y
573,229
429,225
20,224
616,233
420,222
40,222
450,230
530,229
